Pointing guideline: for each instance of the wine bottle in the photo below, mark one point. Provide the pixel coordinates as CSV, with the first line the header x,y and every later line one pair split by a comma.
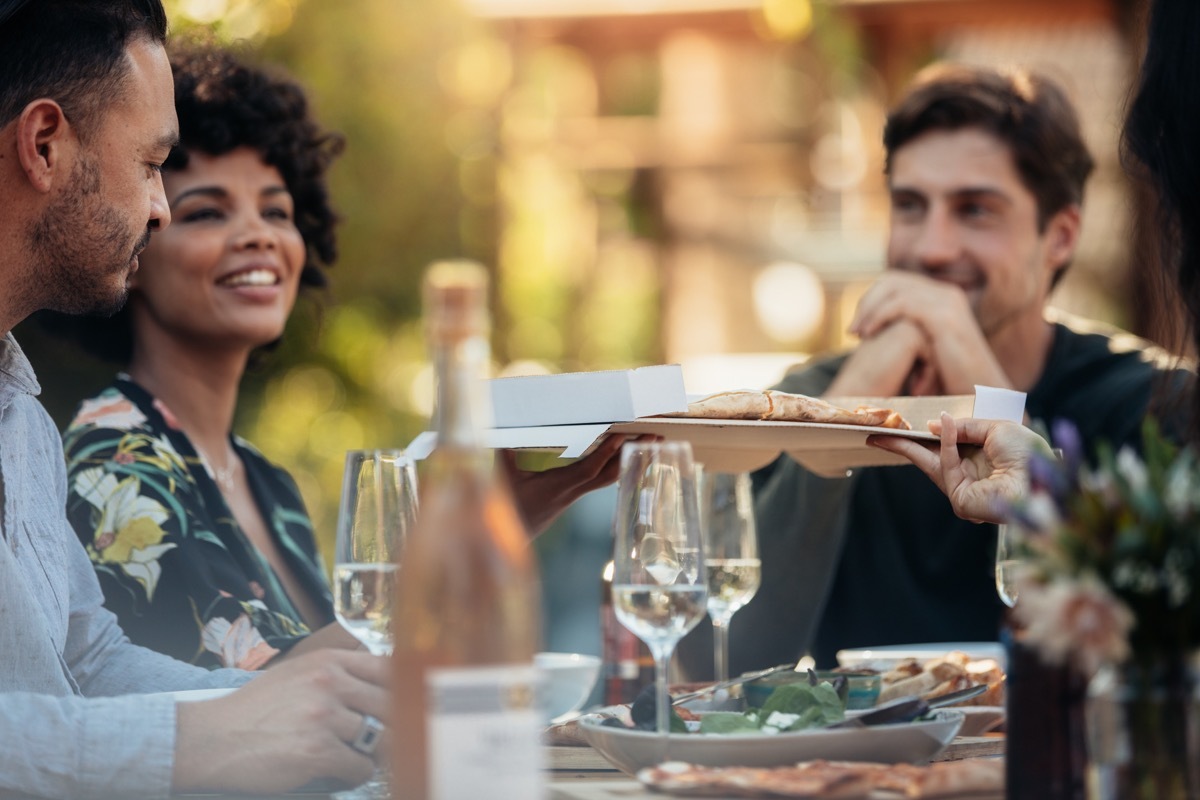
x,y
627,662
465,721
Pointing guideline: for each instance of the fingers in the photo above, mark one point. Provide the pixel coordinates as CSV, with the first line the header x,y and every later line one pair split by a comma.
x,y
542,496
948,454
921,454
358,679
971,430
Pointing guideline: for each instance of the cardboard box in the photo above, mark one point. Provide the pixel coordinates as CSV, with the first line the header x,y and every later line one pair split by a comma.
x,y
741,445
577,398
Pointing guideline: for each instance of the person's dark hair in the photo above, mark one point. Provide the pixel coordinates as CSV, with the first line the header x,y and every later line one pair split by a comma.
x,y
1158,145
1028,112
224,102
71,51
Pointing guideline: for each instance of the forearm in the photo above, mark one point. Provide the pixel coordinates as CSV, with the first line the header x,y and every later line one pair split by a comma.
x,y
86,748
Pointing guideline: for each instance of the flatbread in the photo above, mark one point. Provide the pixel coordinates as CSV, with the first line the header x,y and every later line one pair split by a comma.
x,y
815,779
958,778
830,779
784,407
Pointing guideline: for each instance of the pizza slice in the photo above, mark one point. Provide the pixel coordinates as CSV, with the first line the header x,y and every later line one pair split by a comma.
x,y
784,407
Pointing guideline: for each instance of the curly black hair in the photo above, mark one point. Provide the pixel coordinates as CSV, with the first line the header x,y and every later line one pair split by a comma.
x,y
225,102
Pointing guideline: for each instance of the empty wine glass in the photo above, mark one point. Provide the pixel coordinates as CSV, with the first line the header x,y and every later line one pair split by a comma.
x,y
730,554
658,560
1007,563
378,509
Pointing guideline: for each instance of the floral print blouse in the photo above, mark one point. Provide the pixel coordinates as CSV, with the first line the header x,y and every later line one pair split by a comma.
x,y
175,566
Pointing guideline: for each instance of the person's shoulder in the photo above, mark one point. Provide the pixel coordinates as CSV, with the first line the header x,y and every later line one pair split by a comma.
x,y
1087,343
811,377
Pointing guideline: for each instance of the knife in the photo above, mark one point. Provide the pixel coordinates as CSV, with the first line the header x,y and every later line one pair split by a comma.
x,y
906,709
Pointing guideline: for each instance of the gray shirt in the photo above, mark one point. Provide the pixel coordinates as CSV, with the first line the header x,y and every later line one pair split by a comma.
x,y
71,721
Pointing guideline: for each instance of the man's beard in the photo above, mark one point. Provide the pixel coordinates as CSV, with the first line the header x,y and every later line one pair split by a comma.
x,y
82,249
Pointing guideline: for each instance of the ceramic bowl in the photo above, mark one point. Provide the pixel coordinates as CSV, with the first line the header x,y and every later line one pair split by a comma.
x,y
567,680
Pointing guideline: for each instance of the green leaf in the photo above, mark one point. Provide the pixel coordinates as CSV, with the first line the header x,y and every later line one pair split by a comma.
x,y
727,722
798,698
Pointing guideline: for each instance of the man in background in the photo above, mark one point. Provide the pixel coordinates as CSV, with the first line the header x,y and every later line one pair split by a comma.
x,y
86,120
986,174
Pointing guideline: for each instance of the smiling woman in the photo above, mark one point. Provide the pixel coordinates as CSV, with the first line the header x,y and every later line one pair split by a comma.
x,y
203,547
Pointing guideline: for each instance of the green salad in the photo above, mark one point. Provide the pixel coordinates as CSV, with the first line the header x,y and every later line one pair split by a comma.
x,y
794,707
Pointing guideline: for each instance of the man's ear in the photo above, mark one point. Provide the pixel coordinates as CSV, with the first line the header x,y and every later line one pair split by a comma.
x,y
1062,237
44,137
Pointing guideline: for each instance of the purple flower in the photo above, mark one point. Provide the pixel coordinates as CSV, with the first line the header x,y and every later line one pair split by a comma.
x,y
1066,438
1047,476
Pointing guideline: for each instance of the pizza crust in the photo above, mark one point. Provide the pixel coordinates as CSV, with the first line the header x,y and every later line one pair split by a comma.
x,y
784,407
830,780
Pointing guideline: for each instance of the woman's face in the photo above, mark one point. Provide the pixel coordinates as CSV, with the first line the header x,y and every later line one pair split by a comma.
x,y
225,272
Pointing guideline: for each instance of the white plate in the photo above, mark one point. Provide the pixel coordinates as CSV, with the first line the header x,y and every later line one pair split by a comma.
x,y
886,656
915,742
978,720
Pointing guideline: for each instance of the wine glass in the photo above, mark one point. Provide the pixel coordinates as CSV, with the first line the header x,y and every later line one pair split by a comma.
x,y
730,554
379,508
659,585
1007,563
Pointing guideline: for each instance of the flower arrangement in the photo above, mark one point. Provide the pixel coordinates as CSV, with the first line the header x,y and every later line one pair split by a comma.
x,y
1111,553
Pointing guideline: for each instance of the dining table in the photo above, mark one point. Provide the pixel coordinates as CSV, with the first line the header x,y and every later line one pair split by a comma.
x,y
581,773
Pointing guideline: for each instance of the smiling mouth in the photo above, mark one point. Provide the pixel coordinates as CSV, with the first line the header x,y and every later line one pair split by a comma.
x,y
251,277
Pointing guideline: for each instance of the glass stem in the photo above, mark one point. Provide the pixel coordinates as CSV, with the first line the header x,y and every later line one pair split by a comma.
x,y
662,703
720,649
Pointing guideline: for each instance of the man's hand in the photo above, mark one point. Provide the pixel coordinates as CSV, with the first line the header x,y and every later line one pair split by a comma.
x,y
981,480
959,352
542,496
286,728
885,364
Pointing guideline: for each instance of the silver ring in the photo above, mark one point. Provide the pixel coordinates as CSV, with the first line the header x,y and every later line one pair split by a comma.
x,y
367,738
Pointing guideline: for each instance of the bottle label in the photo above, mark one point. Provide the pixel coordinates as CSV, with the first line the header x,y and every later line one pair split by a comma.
x,y
483,733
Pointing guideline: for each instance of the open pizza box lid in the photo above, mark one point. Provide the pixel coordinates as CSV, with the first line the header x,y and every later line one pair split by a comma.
x,y
742,445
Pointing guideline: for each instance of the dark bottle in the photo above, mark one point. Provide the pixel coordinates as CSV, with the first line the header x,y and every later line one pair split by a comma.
x,y
628,665
1046,756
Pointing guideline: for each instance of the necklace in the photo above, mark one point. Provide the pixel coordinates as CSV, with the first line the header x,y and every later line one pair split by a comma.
x,y
222,475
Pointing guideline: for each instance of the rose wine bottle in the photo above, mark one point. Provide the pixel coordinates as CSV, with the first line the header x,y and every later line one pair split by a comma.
x,y
465,721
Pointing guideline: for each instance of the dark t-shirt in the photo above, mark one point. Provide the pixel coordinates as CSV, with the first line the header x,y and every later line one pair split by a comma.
x,y
880,557
910,570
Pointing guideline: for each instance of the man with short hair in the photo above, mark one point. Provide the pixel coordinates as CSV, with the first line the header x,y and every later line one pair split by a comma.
x,y
986,172
86,120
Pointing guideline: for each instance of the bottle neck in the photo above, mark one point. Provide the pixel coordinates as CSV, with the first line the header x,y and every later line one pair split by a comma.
x,y
463,413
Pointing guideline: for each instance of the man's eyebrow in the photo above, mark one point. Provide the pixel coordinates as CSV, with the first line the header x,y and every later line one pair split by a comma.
x,y
982,193
960,192
168,141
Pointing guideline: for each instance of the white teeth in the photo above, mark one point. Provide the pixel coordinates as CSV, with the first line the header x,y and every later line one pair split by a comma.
x,y
254,277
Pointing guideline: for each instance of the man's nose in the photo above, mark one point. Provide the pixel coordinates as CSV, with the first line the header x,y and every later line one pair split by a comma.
x,y
160,209
938,241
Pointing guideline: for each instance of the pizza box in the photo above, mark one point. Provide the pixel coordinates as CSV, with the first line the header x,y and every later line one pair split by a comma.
x,y
576,398
741,445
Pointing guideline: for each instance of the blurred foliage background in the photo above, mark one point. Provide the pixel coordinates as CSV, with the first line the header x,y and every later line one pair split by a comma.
x,y
691,181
